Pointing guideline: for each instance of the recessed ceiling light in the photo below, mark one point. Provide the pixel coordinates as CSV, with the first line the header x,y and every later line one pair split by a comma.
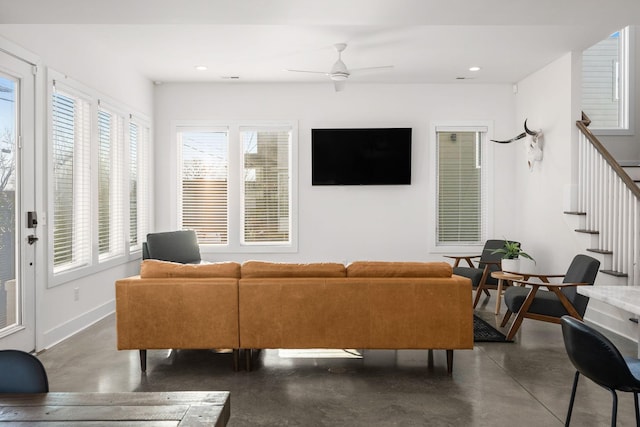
x,y
201,67
474,68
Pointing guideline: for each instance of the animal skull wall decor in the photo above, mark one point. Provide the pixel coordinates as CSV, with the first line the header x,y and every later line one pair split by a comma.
x,y
534,145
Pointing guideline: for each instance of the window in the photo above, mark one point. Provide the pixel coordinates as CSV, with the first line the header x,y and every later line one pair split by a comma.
x,y
606,83
110,190
205,162
460,211
265,195
70,145
138,184
98,182
236,186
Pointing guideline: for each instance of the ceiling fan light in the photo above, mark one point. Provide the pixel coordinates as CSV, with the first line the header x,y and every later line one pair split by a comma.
x,y
338,77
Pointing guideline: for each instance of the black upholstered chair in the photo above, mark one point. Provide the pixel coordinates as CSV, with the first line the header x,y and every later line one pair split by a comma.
x,y
480,275
550,305
176,246
21,372
595,357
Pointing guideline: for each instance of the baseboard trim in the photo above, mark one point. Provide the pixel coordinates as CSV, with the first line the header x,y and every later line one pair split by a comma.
x,y
77,324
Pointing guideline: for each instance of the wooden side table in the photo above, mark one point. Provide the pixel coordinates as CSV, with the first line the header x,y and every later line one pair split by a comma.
x,y
502,276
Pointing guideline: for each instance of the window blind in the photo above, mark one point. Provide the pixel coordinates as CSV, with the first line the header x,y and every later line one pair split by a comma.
x,y
138,184
267,188
205,184
143,186
71,134
110,189
133,185
460,210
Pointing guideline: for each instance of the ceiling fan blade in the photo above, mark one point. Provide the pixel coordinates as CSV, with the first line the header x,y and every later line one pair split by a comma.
x,y
382,67
307,71
339,85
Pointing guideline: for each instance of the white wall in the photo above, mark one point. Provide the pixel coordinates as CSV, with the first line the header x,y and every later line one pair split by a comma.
x,y
92,64
550,98
58,315
545,98
345,223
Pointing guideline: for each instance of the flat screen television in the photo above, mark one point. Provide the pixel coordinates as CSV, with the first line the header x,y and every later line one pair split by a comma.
x,y
375,156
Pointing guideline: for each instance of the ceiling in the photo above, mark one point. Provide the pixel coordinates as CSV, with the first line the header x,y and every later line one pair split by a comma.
x,y
427,41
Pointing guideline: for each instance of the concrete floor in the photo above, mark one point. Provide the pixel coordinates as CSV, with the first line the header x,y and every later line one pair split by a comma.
x,y
525,383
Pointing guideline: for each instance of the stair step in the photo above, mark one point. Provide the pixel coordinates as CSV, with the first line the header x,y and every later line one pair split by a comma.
x,y
632,170
574,213
580,230
601,251
614,273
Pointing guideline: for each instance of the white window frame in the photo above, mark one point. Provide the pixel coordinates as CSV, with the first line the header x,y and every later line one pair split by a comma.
x,y
626,90
143,187
235,184
117,180
95,263
243,240
81,178
180,195
486,179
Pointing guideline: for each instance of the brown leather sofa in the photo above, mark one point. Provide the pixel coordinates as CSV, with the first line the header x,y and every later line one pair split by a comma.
x,y
178,306
366,305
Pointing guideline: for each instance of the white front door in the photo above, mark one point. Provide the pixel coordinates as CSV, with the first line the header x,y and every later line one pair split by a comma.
x,y
17,198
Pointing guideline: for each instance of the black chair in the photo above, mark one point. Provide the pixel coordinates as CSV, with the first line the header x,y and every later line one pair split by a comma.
x,y
481,275
595,357
21,372
175,246
561,298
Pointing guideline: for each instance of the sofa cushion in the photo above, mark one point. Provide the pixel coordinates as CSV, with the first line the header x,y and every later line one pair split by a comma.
x,y
151,268
398,269
259,269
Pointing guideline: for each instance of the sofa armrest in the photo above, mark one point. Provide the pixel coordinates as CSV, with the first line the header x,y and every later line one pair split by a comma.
x,y
176,313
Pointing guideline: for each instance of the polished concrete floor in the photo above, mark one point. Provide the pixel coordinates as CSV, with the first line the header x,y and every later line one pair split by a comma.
x,y
525,383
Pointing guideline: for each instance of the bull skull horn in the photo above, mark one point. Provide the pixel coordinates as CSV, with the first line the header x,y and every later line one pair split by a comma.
x,y
529,131
522,135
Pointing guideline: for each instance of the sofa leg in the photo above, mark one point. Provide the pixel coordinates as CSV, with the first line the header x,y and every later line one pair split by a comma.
x,y
247,359
236,359
430,359
143,360
449,362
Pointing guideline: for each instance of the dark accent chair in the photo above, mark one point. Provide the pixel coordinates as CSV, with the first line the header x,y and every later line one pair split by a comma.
x,y
176,246
21,372
595,357
561,298
480,276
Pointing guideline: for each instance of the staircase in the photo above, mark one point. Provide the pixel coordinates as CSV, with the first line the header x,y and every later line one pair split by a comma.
x,y
608,220
633,170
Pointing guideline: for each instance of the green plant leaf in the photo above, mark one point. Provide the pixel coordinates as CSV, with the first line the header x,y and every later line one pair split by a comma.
x,y
512,250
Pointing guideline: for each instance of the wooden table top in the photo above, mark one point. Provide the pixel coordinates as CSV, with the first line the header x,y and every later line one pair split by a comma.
x,y
506,276
162,409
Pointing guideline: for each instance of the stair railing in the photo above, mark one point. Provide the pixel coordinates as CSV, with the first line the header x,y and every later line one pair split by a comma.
x,y
611,201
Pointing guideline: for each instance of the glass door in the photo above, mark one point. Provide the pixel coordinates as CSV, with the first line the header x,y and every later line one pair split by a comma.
x,y
17,196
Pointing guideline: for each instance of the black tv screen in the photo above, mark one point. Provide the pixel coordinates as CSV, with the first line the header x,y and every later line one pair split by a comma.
x,y
380,156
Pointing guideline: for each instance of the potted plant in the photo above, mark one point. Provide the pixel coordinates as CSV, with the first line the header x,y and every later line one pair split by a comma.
x,y
512,253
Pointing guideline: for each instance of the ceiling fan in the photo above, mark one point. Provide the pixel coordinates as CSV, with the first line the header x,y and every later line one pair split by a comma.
x,y
339,73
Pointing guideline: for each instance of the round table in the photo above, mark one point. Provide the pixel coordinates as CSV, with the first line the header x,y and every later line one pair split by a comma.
x,y
502,276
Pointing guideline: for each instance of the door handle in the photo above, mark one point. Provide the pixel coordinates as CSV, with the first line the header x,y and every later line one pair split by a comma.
x,y
31,239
